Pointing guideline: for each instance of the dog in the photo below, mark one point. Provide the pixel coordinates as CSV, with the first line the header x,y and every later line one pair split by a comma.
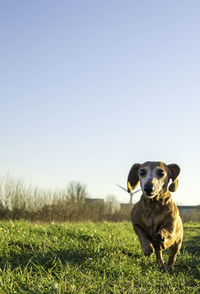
x,y
155,217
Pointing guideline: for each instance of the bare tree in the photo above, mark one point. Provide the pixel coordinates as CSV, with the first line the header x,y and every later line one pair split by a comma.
x,y
76,193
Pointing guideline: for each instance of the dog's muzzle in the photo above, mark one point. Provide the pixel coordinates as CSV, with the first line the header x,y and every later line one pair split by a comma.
x,y
148,189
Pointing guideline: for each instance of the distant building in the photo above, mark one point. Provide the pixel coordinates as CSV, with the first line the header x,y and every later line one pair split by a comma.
x,y
94,201
126,206
188,208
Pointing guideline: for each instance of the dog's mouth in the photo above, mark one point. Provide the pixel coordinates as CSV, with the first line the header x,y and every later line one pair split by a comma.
x,y
149,195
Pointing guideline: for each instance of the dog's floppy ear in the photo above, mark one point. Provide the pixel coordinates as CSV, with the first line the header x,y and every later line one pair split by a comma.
x,y
174,171
133,177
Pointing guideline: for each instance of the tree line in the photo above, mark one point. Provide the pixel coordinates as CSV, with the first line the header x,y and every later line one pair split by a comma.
x,y
19,201
70,204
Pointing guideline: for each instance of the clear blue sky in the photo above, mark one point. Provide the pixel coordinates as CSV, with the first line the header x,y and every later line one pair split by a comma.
x,y
90,87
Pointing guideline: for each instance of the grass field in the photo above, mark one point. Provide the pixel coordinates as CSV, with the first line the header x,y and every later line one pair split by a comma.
x,y
90,258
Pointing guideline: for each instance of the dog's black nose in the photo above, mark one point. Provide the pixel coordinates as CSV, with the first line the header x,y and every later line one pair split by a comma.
x,y
148,189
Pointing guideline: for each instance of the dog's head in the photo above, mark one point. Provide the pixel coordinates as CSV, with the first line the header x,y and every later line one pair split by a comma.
x,y
153,177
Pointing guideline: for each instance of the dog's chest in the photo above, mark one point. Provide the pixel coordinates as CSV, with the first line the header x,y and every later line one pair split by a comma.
x,y
152,217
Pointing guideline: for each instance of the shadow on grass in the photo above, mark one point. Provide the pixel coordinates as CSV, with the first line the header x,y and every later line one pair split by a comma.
x,y
188,261
192,245
190,257
24,255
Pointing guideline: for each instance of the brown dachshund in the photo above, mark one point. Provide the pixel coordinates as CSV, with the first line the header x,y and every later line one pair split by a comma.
x,y
155,217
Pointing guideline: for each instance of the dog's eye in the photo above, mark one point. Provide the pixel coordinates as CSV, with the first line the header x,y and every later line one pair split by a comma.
x,y
160,173
142,172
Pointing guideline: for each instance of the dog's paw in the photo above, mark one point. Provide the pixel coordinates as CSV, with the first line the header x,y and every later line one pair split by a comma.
x,y
170,268
147,249
159,237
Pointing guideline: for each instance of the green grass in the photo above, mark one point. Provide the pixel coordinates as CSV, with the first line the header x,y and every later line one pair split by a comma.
x,y
90,258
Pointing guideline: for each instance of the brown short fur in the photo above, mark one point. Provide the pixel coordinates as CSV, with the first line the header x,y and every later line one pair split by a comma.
x,y
155,218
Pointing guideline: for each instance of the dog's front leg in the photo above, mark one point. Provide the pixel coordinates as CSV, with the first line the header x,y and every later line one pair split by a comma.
x,y
159,257
146,244
166,232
